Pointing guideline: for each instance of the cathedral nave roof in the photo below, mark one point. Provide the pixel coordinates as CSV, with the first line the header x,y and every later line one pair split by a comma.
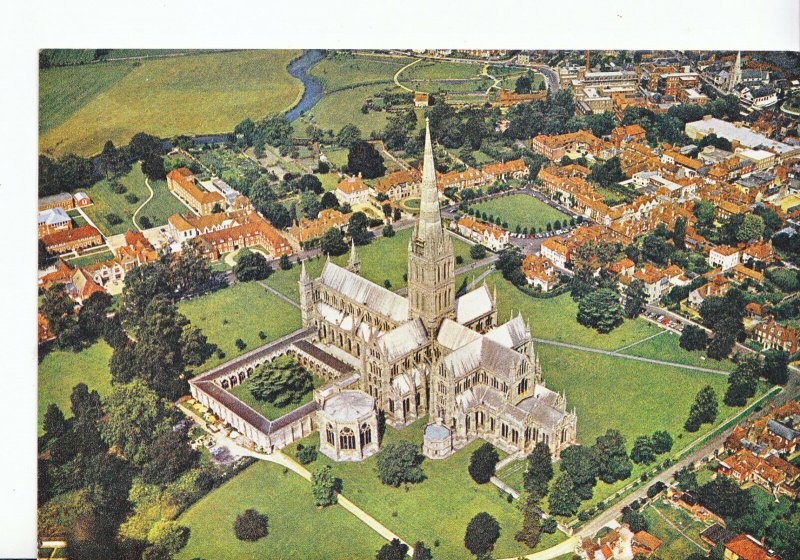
x,y
473,304
408,337
511,333
454,335
483,353
376,298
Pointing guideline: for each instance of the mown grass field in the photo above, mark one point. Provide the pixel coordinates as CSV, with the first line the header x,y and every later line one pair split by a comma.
x,y
666,347
267,409
386,258
440,70
106,201
95,257
344,107
339,70
297,529
523,211
194,94
59,371
240,311
438,508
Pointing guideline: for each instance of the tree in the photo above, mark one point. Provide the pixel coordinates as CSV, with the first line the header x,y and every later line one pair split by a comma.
x,y
251,266
656,248
523,84
111,160
725,498
309,205
600,310
704,211
703,410
743,382
693,338
328,200
85,403
282,382
399,462
168,536
333,243
363,158
661,441
44,258
421,552
394,550
54,423
195,348
135,416
752,228
309,184
580,462
483,530
776,367
348,136
642,451
531,530
679,233
784,535
251,525
190,272
539,471
357,228
615,464
142,285
168,457
608,172
482,463
635,299
563,500
323,486
143,145
59,311
477,252
635,520
93,315
687,478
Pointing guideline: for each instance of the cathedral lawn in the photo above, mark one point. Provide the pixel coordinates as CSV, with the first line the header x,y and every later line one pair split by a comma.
x,y
437,508
521,210
297,529
384,258
240,311
555,319
666,347
59,371
193,94
267,409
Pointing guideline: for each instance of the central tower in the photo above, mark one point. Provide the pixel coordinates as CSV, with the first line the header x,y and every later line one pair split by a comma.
x,y
431,273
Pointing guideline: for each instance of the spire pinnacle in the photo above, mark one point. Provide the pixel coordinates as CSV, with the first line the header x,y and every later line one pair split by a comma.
x,y
429,206
303,273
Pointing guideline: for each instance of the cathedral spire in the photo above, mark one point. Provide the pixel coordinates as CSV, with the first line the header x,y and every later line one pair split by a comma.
x,y
303,273
354,263
429,217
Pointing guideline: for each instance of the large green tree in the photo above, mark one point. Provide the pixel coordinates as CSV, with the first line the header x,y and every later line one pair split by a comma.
x,y
364,159
703,410
539,471
251,266
614,463
482,533
635,299
563,500
282,382
323,486
600,310
482,463
399,462
580,462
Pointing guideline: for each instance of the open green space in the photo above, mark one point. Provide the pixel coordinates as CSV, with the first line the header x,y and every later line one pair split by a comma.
x,y
267,409
386,258
438,508
343,107
666,347
106,201
339,70
240,311
60,370
555,319
440,70
93,258
667,523
328,180
521,210
297,529
337,157
77,219
193,94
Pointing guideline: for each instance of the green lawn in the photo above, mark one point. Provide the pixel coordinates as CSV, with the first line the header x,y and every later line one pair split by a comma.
x,y
675,544
199,93
297,529
384,258
106,201
666,347
338,70
337,158
522,210
437,508
440,70
95,257
555,319
328,180
77,219
60,371
240,311
267,409
337,109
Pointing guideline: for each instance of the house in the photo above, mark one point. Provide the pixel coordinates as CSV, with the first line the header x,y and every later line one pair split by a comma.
x,y
352,190
308,230
514,169
52,220
539,272
84,286
774,474
689,503
470,178
181,182
741,273
82,199
421,99
655,281
627,134
489,235
758,251
773,335
754,310
399,185
136,251
555,251
645,544
724,257
61,200
746,547
248,231
556,147
623,267
716,534
44,333
716,287
72,239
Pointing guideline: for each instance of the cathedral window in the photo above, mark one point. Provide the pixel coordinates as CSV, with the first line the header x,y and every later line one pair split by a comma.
x,y
347,439
329,435
366,434
504,430
391,406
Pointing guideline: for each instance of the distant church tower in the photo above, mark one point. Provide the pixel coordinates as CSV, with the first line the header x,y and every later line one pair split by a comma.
x,y
431,261
735,76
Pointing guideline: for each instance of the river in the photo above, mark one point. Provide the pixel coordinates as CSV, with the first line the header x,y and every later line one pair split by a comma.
x,y
313,91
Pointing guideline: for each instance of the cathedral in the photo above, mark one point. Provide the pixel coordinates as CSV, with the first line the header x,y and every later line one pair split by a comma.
x,y
435,353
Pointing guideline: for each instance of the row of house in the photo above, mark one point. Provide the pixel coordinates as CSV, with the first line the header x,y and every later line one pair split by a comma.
x,y
489,235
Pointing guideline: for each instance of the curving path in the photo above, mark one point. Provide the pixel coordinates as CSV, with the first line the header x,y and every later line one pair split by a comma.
x,y
397,74
149,198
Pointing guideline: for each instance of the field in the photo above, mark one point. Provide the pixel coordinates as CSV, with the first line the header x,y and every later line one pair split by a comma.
x,y
240,311
194,94
554,319
441,70
522,210
340,70
297,529
267,409
667,524
386,258
60,371
106,202
665,347
343,107
419,511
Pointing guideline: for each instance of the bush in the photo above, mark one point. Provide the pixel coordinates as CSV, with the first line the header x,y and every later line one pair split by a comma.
x,y
145,222
251,525
262,335
131,198
113,219
241,344
477,252
459,259
306,455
